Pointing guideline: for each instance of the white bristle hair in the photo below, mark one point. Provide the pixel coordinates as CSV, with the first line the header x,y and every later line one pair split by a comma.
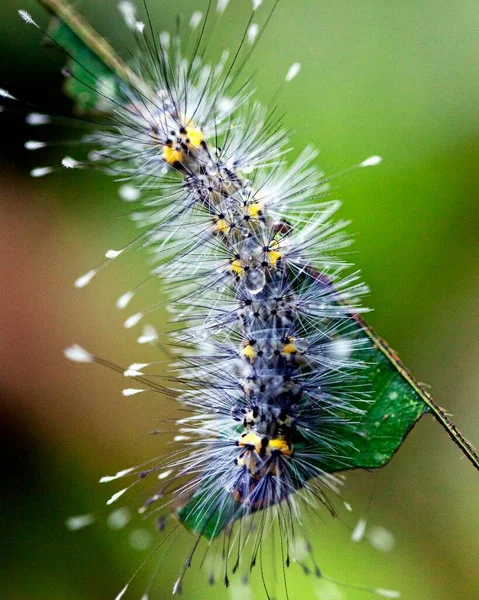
x,y
111,254
133,320
196,19
293,70
128,12
41,171
34,145
115,496
359,530
135,369
252,33
5,94
149,335
165,39
123,592
221,6
124,299
119,475
85,279
129,193
372,161
25,16
133,391
70,163
78,522
35,118
78,354
387,593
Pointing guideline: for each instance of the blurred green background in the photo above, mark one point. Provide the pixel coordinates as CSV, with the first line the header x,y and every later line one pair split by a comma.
x,y
395,78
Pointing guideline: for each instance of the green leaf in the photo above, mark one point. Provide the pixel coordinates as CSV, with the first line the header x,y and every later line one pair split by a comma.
x,y
398,399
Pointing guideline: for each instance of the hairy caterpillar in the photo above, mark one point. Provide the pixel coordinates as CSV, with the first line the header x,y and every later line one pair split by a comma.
x,y
270,257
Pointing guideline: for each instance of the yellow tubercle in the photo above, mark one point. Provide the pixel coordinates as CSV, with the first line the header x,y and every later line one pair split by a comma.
x,y
281,445
195,136
221,226
254,209
289,347
253,439
249,353
274,257
236,267
172,155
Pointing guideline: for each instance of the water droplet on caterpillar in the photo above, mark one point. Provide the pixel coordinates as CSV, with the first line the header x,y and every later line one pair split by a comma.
x,y
254,281
301,344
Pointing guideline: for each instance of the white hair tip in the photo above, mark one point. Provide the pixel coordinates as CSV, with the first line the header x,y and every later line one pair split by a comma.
x,y
177,587
25,16
124,300
78,354
372,161
84,280
128,12
122,593
135,369
78,522
149,335
133,320
5,94
113,253
41,171
34,145
132,391
165,39
359,530
294,69
70,163
115,496
37,119
129,193
221,6
387,593
108,478
196,19
252,33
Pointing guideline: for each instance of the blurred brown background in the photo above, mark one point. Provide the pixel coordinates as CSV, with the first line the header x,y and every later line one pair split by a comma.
x,y
397,79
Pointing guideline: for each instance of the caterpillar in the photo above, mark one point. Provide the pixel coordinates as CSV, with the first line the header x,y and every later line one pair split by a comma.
x,y
272,360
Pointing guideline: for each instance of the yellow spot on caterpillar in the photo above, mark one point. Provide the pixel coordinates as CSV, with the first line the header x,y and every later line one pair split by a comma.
x,y
249,352
172,155
253,439
236,267
254,209
281,445
195,136
221,226
274,257
273,253
289,347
